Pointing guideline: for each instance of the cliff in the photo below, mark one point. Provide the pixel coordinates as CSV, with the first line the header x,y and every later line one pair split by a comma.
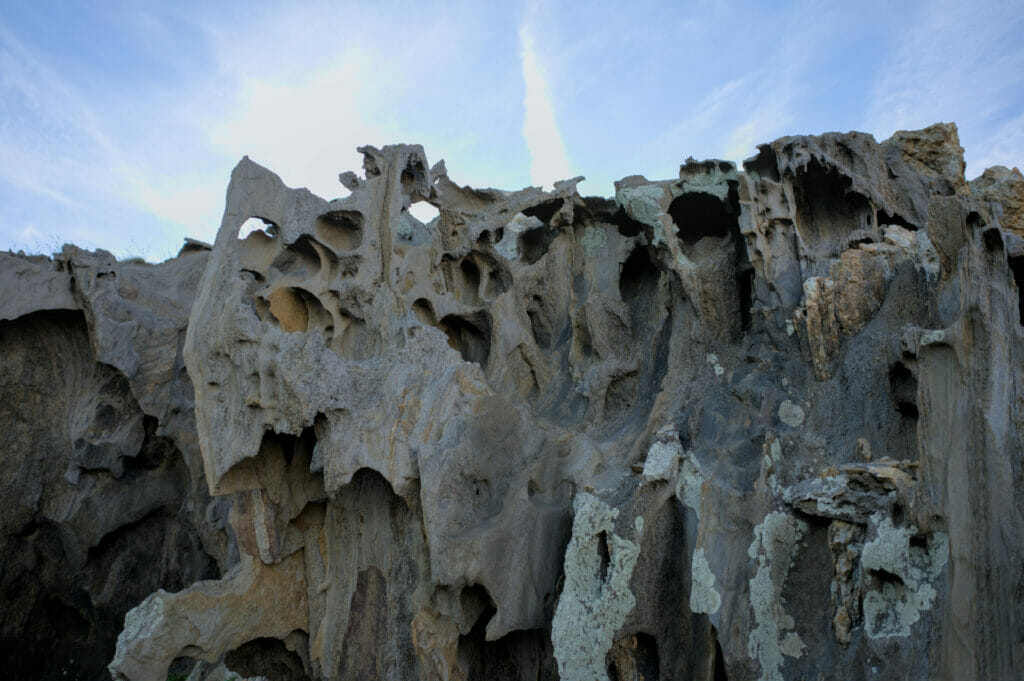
x,y
744,424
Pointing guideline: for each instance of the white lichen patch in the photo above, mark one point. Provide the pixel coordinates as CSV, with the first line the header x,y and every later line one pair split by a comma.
x,y
774,545
703,596
596,598
662,459
594,240
712,359
690,482
891,610
828,501
791,414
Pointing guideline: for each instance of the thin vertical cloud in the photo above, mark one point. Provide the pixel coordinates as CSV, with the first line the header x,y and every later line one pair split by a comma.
x,y
548,160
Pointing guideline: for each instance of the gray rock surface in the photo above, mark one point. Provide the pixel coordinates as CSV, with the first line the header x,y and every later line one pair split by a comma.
x,y
745,424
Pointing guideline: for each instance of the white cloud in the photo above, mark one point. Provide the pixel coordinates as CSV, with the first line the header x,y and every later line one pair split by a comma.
x,y
548,160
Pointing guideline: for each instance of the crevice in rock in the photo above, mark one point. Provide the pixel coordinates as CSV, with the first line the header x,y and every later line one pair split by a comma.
x,y
718,666
603,555
903,388
745,284
884,218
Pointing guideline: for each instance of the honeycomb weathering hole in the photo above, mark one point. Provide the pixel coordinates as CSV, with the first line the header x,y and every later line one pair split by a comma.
x,y
289,309
698,215
423,211
258,226
342,230
472,342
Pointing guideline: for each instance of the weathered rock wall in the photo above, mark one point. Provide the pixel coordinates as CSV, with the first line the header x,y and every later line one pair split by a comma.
x,y
758,424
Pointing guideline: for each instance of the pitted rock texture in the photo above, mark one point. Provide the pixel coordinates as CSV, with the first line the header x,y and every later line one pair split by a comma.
x,y
744,424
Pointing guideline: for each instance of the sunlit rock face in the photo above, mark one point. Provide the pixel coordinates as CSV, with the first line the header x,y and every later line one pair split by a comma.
x,y
744,424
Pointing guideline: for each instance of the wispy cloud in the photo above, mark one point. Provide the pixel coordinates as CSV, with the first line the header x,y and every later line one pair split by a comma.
x,y
548,159
957,62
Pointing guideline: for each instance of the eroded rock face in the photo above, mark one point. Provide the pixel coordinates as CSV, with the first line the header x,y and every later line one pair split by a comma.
x,y
101,476
747,424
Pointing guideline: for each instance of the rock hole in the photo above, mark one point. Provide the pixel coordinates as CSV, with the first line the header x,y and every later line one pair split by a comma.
x,y
993,240
973,221
414,178
268,658
540,326
424,212
261,228
180,668
919,541
638,277
522,654
342,230
424,312
300,258
544,211
470,280
1017,269
884,218
903,388
698,215
898,513
826,210
626,225
884,576
534,243
621,394
648,665
472,341
745,282
288,308
604,557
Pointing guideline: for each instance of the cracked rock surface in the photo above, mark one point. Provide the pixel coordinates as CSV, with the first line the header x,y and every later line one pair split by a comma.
x,y
758,423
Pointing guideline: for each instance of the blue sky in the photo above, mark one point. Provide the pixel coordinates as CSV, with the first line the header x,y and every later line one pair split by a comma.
x,y
120,121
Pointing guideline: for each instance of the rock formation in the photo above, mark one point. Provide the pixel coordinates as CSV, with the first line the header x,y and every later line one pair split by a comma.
x,y
759,424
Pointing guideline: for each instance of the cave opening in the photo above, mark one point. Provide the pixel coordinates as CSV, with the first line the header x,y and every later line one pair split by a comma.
x,y
698,215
